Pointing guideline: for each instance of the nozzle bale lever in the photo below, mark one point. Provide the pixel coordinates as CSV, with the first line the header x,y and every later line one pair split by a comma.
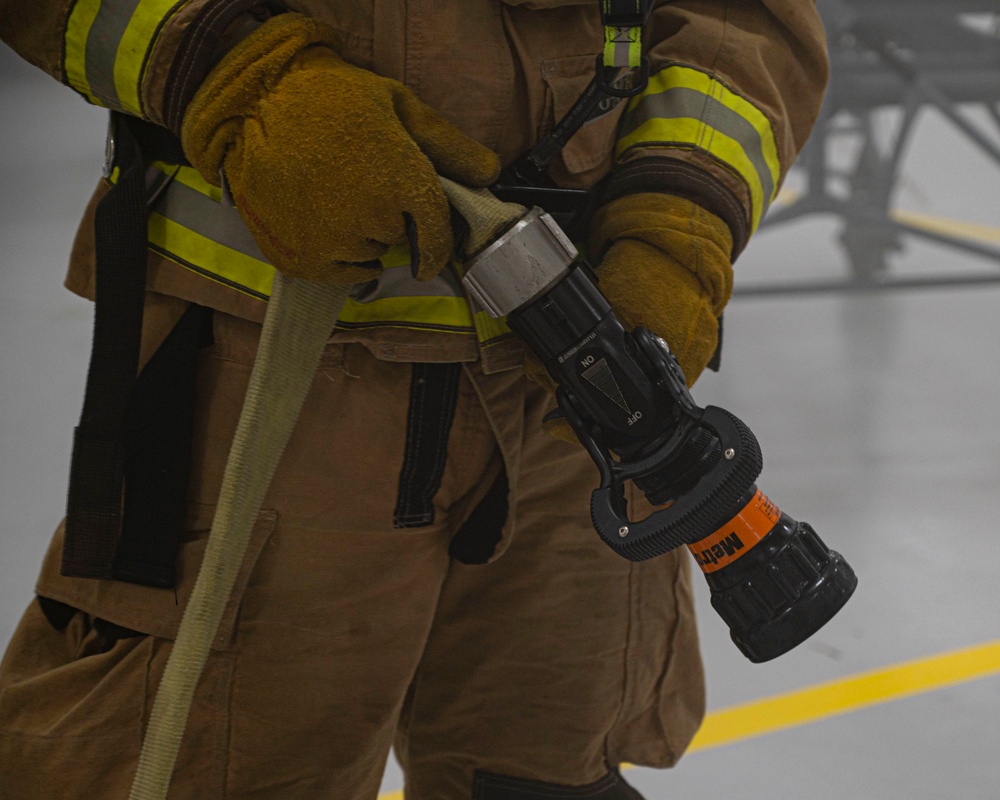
x,y
772,579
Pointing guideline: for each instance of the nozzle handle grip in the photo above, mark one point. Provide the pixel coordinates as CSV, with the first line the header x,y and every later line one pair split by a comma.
x,y
713,501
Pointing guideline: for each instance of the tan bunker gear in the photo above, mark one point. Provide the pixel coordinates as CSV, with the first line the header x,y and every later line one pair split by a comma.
x,y
424,572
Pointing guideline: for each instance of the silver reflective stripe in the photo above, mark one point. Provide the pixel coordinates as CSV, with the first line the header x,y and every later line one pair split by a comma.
x,y
222,225
399,282
201,214
688,103
622,44
106,33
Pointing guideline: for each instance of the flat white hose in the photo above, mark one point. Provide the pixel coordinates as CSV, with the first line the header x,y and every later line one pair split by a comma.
x,y
487,216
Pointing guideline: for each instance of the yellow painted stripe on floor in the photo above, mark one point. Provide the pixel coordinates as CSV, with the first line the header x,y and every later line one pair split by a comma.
x,y
847,694
949,227
929,222
842,696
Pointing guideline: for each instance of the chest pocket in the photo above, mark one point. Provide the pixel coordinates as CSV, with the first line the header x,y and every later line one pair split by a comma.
x,y
591,148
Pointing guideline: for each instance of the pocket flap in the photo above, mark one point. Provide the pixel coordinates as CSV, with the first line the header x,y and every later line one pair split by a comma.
x,y
593,145
157,612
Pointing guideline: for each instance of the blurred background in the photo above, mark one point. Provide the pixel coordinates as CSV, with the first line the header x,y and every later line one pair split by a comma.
x,y
862,349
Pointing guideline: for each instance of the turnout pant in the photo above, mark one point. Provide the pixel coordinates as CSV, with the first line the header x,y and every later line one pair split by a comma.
x,y
355,626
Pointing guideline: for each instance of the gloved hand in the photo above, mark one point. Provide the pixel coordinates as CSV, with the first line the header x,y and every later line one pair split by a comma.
x,y
328,164
663,263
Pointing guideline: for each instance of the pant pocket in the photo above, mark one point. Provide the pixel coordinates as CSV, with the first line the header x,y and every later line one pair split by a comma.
x,y
80,675
71,709
74,704
147,609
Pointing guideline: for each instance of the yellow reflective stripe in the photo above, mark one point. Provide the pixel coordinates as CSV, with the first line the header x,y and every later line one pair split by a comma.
x,y
622,47
107,45
676,109
134,47
489,328
210,258
190,177
445,313
683,132
192,250
397,256
81,20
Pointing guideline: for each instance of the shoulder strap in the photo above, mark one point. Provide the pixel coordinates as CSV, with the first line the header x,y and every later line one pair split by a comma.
x,y
623,21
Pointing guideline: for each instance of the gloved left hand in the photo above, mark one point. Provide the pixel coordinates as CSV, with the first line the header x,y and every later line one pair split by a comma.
x,y
329,164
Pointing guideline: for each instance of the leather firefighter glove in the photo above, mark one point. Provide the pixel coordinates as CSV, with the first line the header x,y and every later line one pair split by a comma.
x,y
328,164
664,263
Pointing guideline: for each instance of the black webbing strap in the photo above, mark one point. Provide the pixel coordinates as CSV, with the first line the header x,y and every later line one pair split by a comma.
x,y
93,517
625,13
103,460
158,436
433,398
623,22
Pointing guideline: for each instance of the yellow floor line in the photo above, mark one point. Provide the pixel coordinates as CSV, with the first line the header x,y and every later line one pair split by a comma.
x,y
842,696
975,231
847,694
949,227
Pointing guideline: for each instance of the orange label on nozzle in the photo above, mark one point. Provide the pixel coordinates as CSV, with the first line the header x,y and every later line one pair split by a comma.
x,y
720,549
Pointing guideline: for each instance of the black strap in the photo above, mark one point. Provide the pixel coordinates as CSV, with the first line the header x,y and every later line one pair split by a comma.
x,y
477,539
490,786
133,432
625,13
433,397
93,519
158,435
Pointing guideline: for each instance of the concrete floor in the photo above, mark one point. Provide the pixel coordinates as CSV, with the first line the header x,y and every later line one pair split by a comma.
x,y
877,415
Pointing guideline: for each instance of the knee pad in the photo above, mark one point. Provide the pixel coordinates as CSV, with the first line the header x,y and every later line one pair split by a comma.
x,y
490,786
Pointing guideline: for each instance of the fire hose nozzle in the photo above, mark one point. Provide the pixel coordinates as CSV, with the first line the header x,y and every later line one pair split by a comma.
x,y
524,262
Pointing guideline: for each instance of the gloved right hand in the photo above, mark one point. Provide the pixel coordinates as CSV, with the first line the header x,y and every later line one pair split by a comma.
x,y
663,262
329,165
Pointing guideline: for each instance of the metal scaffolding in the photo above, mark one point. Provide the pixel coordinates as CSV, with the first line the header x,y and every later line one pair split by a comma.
x,y
904,56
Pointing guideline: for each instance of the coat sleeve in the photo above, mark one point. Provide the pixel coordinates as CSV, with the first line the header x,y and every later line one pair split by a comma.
x,y
142,57
735,88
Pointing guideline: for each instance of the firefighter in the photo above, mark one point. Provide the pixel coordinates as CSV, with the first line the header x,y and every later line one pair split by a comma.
x,y
423,574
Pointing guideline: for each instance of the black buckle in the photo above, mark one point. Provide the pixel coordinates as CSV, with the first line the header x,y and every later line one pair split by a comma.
x,y
616,85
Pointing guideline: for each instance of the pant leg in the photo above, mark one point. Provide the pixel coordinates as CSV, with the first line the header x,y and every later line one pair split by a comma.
x,y
559,660
320,640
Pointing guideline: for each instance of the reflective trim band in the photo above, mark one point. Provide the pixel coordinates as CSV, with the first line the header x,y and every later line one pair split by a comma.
x,y
489,327
183,202
136,44
684,107
622,47
81,20
191,178
107,45
190,226
210,258
449,314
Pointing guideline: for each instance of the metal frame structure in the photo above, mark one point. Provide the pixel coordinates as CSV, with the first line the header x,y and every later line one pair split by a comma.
x,y
903,55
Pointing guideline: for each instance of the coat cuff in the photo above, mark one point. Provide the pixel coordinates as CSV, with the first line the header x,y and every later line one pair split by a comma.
x,y
212,35
673,176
